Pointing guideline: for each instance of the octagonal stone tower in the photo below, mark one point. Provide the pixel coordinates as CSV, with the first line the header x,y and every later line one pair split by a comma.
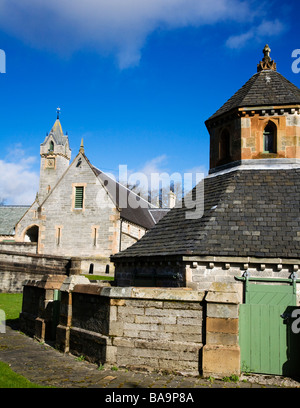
x,y
261,121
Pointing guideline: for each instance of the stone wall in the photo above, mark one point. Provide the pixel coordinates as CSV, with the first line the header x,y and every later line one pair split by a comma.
x,y
15,268
170,329
246,134
18,266
40,308
200,272
20,247
139,327
97,266
130,233
221,353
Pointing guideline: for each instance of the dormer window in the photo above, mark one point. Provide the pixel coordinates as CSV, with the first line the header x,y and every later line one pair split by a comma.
x,y
269,138
51,146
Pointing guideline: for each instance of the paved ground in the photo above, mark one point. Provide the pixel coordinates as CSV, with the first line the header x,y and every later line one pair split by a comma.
x,y
46,366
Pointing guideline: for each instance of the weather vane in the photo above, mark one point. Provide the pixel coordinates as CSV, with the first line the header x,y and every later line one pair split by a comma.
x,y
57,111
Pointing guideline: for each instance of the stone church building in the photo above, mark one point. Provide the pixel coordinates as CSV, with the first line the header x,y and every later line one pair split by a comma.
x,y
80,211
251,215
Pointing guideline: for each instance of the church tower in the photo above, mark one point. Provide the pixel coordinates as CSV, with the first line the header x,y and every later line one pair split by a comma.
x,y
55,157
260,124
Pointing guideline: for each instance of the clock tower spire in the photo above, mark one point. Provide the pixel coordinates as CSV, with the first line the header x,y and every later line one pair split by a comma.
x,y
55,155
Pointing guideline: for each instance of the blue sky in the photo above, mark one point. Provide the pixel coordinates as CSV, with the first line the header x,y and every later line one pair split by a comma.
x,y
136,79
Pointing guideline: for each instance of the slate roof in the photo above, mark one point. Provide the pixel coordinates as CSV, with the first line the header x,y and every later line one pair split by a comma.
x,y
265,88
144,214
158,213
57,134
9,216
246,213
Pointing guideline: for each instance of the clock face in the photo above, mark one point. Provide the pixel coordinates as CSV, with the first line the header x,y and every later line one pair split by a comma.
x,y
50,163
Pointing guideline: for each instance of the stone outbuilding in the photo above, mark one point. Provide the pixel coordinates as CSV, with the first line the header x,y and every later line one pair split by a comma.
x,y
244,231
246,211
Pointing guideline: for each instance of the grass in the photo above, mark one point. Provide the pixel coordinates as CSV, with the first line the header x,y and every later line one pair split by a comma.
x,y
232,378
10,379
80,358
99,277
11,303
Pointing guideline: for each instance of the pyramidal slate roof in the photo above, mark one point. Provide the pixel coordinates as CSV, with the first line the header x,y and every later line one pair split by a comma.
x,y
246,213
57,133
265,88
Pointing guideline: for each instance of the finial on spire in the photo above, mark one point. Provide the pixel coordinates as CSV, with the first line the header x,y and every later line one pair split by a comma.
x,y
266,62
57,112
266,52
81,150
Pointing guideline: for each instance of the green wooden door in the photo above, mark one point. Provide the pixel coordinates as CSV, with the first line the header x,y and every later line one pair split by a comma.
x,y
267,345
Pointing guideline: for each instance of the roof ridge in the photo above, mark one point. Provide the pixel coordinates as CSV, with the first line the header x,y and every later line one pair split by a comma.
x,y
122,185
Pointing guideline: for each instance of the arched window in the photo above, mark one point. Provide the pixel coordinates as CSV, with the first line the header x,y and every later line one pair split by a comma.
x,y
51,146
224,147
269,138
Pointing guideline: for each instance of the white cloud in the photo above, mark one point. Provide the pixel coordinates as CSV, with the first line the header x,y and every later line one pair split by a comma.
x,y
116,27
257,33
155,165
18,181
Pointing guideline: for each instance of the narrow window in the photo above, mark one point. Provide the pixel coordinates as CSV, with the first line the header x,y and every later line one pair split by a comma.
x,y
95,236
58,236
51,146
269,139
91,269
224,147
79,191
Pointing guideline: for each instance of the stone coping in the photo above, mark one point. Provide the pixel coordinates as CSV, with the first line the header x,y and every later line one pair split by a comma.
x,y
38,256
47,282
242,260
180,294
256,164
16,243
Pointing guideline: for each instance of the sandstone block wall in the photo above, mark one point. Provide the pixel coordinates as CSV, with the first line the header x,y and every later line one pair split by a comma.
x,y
246,135
15,268
21,247
170,329
201,274
135,327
